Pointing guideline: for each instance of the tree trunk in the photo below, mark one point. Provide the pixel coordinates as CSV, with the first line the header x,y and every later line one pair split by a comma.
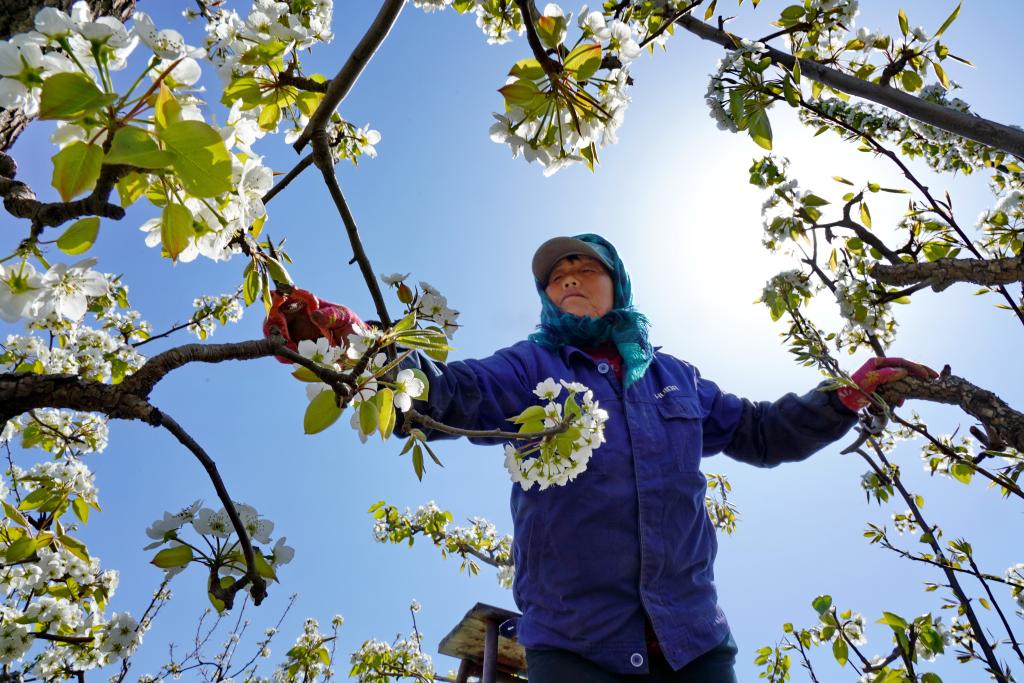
x,y
17,16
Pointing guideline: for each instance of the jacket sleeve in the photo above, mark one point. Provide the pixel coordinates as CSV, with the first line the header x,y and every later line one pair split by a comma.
x,y
474,394
767,433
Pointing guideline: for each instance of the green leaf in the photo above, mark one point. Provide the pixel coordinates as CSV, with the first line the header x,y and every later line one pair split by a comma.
x,y
793,12
520,93
584,61
251,290
76,168
821,603
131,187
80,236
865,215
904,24
305,375
929,677
549,30
168,110
949,20
529,414
69,95
760,129
277,272
269,117
81,509
840,651
386,413
710,10
26,545
814,200
321,412
176,229
263,568
202,161
245,88
940,73
911,81
75,547
34,499
897,622
135,147
417,461
962,472
169,558
368,416
529,69
14,515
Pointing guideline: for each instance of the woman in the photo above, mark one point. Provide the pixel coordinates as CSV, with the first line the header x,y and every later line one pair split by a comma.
x,y
614,571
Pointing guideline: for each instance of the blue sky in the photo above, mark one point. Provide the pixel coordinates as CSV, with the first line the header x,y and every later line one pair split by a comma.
x,y
446,203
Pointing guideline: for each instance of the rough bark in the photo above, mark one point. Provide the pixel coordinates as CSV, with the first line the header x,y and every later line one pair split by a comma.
x,y
998,417
944,272
17,16
21,392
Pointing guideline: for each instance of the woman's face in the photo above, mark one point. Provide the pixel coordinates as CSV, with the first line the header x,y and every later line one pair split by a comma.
x,y
581,285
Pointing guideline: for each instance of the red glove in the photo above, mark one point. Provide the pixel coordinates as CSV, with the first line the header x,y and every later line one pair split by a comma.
x,y
876,372
300,315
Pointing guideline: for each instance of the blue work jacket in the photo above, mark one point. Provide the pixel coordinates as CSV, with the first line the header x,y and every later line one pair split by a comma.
x,y
630,534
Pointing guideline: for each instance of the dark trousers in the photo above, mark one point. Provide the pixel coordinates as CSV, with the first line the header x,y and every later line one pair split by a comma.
x,y
561,666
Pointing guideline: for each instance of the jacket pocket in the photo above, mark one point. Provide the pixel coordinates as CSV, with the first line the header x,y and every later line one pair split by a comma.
x,y
681,418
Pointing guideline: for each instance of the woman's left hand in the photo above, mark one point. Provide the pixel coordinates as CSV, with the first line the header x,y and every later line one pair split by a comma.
x,y
876,372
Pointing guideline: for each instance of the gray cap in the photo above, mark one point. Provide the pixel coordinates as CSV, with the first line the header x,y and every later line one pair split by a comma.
x,y
557,248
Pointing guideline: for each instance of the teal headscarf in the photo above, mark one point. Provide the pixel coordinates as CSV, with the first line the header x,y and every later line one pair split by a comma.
x,y
622,326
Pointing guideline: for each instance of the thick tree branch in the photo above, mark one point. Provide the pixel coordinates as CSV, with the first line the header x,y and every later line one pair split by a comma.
x,y
141,383
20,201
342,83
942,273
997,416
22,392
225,594
943,210
970,126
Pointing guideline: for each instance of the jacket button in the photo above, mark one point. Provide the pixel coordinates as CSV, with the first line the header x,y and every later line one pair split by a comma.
x,y
636,659
603,368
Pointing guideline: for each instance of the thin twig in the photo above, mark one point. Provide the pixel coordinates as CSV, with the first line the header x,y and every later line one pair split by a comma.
x,y
430,423
259,584
342,83
291,175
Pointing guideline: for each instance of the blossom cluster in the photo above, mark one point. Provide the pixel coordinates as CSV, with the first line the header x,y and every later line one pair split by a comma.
x,y
561,116
498,19
730,68
478,539
215,526
63,291
309,658
1015,575
427,302
379,662
559,458
213,309
864,315
50,583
